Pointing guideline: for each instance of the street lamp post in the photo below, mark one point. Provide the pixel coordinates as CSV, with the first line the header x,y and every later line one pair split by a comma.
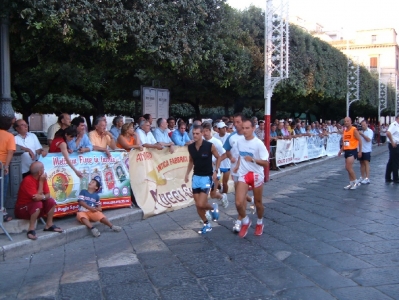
x,y
276,56
5,82
396,96
352,84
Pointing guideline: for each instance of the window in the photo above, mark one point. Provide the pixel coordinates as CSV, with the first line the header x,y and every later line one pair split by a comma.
x,y
373,62
373,38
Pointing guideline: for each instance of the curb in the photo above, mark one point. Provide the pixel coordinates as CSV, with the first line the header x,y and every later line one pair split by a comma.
x,y
51,240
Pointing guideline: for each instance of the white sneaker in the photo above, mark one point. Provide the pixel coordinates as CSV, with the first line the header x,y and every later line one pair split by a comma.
x,y
365,181
224,200
237,226
350,187
95,232
116,228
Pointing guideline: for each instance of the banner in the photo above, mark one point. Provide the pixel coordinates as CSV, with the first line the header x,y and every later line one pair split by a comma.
x,y
333,144
300,151
284,152
315,147
65,186
157,180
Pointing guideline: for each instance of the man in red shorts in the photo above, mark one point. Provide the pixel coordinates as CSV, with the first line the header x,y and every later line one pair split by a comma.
x,y
253,158
34,200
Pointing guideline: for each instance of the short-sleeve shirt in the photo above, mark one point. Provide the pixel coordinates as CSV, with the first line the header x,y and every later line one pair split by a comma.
x,y
394,130
91,199
31,142
27,189
367,146
146,138
7,143
231,145
256,149
180,139
219,148
99,141
161,136
83,143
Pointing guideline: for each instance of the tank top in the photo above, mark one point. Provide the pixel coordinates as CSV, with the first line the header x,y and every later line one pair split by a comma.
x,y
130,142
54,145
202,158
350,142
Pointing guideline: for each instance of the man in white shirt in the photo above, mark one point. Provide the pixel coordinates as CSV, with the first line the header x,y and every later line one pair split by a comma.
x,y
30,144
253,158
393,162
146,137
366,135
161,135
222,136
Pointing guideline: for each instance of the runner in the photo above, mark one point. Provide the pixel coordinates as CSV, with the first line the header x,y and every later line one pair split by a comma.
x,y
207,133
352,146
201,153
366,135
225,164
231,145
253,158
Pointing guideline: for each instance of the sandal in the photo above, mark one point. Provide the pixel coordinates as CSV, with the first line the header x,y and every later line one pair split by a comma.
x,y
31,232
53,228
6,217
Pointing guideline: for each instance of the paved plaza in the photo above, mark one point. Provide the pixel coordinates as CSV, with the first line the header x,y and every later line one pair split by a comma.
x,y
320,242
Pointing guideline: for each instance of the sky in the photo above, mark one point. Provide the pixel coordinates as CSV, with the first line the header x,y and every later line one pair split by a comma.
x,y
345,15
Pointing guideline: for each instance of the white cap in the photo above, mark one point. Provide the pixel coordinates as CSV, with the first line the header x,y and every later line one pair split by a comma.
x,y
221,125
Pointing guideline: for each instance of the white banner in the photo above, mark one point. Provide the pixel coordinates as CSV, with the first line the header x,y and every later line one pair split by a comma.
x,y
333,144
284,152
316,147
300,149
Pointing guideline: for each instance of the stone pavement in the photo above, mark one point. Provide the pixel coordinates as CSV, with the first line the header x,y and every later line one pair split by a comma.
x,y
319,242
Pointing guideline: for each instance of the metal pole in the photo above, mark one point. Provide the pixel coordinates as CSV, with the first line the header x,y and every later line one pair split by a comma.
x,y
5,82
396,95
267,93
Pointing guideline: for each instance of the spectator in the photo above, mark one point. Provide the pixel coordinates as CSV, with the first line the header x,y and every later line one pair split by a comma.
x,y
34,202
90,209
171,125
255,121
180,136
260,131
115,130
64,120
393,161
190,133
59,144
81,143
140,119
297,129
303,127
308,130
146,137
7,149
29,143
148,118
129,139
161,135
273,144
286,130
100,138
366,135
383,133
280,129
313,129
215,127
292,127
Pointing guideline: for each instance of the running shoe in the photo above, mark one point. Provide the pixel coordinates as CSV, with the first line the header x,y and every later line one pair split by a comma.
x,y
244,229
215,212
350,187
237,226
225,202
205,229
116,228
95,232
208,216
365,181
259,229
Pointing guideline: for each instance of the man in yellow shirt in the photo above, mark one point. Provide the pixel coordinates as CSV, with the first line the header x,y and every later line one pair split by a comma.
x,y
101,139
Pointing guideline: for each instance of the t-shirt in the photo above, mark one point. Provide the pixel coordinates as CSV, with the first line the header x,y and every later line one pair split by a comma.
x,y
99,141
257,150
394,130
54,147
32,142
219,148
231,145
27,189
7,143
180,139
225,164
367,146
146,138
91,199
161,136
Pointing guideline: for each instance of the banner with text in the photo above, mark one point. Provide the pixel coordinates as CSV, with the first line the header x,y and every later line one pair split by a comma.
x,y
157,180
333,144
284,152
315,147
65,186
300,149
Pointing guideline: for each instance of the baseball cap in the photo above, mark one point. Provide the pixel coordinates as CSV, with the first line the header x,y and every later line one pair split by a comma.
x,y
221,125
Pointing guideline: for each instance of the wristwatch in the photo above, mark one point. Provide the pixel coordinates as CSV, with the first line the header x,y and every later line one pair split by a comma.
x,y
253,160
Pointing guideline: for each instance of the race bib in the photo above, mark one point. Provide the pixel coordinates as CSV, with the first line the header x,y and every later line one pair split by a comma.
x,y
346,143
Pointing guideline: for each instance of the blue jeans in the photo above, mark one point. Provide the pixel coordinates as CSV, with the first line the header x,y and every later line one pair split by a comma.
x,y
5,180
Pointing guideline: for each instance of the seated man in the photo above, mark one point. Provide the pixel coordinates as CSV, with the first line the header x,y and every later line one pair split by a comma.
x,y
34,200
161,134
146,137
81,143
180,136
100,138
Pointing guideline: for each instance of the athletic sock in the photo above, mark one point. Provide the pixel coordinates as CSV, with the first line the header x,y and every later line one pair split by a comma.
x,y
245,221
259,221
352,182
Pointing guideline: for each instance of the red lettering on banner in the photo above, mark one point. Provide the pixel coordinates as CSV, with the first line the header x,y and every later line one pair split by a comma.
x,y
85,160
162,165
143,156
61,161
168,199
179,159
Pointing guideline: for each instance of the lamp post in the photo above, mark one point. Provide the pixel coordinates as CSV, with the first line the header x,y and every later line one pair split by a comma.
x,y
276,56
352,83
5,82
396,96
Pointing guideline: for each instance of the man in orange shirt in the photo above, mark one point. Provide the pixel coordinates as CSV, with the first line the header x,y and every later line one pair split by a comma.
x,y
102,139
7,149
34,200
352,146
